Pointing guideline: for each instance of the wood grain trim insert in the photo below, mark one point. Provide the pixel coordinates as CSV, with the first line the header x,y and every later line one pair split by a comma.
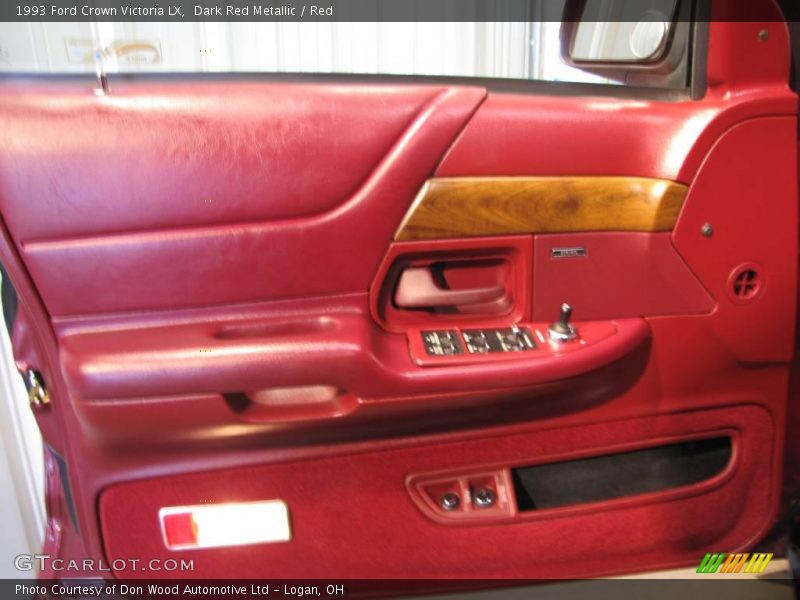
x,y
451,207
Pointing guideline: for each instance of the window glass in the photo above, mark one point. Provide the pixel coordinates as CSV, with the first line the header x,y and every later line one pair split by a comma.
x,y
513,50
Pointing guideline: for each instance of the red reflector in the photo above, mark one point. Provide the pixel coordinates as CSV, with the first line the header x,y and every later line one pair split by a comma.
x,y
180,530
225,524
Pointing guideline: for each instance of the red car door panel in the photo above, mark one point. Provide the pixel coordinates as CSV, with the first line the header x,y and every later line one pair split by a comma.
x,y
256,215
208,277
423,548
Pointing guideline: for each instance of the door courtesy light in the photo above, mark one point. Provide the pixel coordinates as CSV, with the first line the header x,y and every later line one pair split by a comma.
x,y
217,525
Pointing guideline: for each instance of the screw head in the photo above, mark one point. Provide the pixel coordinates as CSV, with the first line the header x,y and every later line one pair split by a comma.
x,y
484,497
763,35
707,230
450,501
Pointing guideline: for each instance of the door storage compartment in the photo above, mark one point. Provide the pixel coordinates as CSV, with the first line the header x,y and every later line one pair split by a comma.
x,y
620,475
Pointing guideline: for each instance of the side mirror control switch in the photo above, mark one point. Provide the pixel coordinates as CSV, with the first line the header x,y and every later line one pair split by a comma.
x,y
562,330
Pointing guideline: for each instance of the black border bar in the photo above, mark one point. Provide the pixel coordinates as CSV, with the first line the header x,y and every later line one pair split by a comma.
x,y
21,11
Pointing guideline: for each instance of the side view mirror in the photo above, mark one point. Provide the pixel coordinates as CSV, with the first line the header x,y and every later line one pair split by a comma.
x,y
635,42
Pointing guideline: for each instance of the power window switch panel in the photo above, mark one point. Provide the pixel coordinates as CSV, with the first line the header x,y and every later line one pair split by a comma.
x,y
442,343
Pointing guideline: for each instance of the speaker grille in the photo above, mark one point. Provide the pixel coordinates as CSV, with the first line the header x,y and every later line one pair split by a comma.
x,y
746,284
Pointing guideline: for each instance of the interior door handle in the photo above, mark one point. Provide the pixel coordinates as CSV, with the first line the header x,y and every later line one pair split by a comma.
x,y
417,288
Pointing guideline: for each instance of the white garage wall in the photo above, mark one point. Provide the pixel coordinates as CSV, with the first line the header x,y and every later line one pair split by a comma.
x,y
22,519
506,50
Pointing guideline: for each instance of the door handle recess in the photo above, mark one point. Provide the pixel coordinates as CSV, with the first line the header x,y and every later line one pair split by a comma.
x,y
417,288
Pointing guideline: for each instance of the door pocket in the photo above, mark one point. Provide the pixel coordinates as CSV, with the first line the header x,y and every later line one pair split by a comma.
x,y
620,475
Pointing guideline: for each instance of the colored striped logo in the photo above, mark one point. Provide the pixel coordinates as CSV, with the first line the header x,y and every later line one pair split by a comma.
x,y
734,563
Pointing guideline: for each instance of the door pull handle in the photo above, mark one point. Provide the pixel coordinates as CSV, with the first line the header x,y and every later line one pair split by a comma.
x,y
417,288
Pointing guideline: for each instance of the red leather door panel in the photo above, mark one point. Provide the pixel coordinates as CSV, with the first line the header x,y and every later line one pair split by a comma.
x,y
246,213
208,283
